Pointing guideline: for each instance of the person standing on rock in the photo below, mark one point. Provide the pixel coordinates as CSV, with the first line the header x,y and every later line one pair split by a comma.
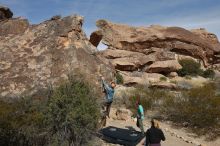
x,y
109,93
140,115
154,135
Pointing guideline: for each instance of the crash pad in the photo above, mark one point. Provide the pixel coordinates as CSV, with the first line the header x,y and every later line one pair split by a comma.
x,y
128,137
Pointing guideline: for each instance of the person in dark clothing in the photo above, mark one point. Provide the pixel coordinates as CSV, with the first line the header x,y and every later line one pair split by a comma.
x,y
154,135
109,93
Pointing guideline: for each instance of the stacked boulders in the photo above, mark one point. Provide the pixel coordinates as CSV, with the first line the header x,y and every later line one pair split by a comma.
x,y
154,49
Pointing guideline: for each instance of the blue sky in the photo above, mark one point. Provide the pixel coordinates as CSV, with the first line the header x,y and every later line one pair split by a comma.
x,y
184,13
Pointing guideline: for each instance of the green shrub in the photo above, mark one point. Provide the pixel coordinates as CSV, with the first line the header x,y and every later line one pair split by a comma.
x,y
209,73
163,79
22,122
173,81
189,67
68,117
119,78
73,113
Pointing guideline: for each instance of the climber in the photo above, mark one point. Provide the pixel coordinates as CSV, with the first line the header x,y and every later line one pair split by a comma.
x,y
140,115
109,93
154,135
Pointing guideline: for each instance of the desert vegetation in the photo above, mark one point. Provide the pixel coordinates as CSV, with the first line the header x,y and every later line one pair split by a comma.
x,y
119,78
192,68
68,116
197,108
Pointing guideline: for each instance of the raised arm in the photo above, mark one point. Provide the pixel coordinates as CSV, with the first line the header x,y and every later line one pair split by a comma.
x,y
106,86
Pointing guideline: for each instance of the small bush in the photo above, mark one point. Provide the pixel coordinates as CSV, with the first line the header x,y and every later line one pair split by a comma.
x,y
119,78
209,73
163,79
188,77
22,122
189,67
173,81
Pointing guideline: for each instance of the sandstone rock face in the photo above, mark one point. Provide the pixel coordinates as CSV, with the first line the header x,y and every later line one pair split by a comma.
x,y
164,66
206,35
5,13
128,60
154,50
37,56
141,78
168,40
13,26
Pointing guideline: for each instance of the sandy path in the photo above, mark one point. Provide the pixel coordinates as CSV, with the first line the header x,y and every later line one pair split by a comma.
x,y
170,140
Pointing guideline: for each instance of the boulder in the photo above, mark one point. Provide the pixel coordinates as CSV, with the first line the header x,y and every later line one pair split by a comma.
x,y
5,13
140,78
130,81
173,74
164,85
127,60
45,55
164,66
95,38
120,114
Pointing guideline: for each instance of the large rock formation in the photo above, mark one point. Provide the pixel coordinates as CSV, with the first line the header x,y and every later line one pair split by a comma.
x,y
155,49
159,39
34,57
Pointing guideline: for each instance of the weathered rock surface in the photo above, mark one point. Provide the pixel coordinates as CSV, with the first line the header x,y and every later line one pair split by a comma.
x,y
128,60
141,78
13,26
164,66
173,74
166,39
35,56
202,32
5,13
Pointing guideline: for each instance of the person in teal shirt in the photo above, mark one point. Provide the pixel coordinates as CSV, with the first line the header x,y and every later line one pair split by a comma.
x,y
140,115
